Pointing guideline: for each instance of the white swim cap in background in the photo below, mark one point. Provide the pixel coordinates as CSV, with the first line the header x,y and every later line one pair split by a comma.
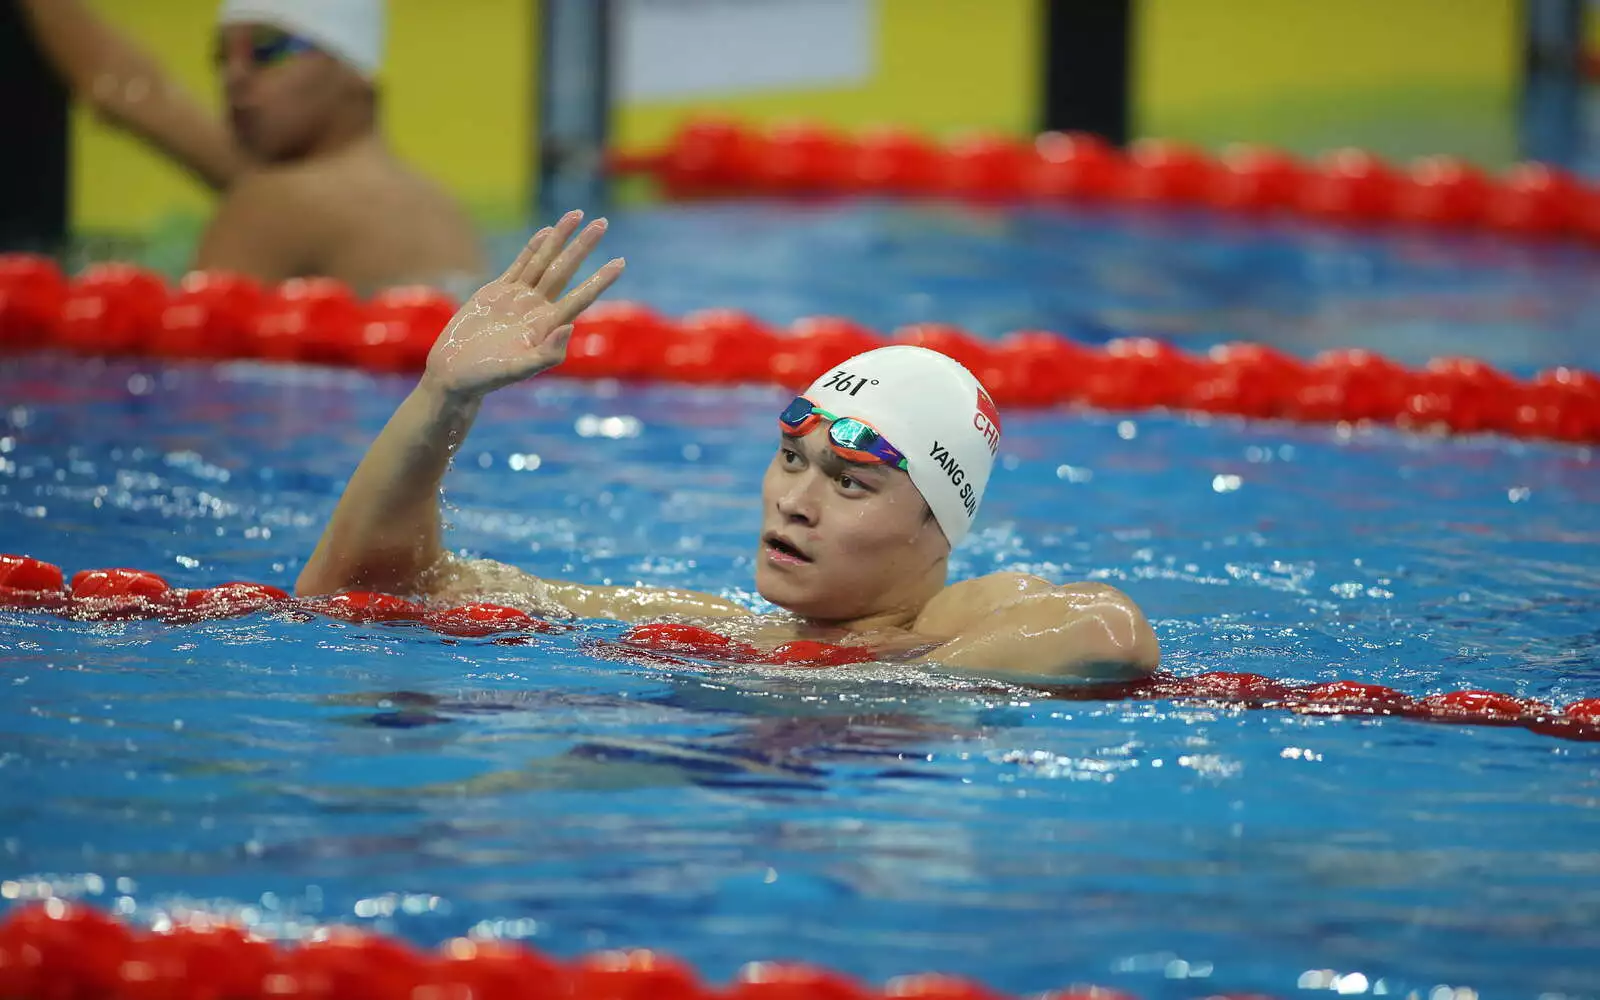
x,y
350,30
934,411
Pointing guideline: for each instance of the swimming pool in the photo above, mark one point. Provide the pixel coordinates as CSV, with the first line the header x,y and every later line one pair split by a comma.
x,y
877,821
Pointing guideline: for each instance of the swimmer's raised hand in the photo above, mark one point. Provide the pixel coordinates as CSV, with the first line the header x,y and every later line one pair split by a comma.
x,y
518,325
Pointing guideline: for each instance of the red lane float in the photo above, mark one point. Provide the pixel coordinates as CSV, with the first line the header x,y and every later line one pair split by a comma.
x,y
1342,697
721,158
32,290
21,574
478,620
810,653
111,309
31,584
209,317
365,607
56,948
690,640
317,320
234,597
702,643
215,316
1578,721
117,593
399,328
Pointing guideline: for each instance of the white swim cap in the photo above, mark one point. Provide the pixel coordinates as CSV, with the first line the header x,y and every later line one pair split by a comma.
x,y
934,411
350,30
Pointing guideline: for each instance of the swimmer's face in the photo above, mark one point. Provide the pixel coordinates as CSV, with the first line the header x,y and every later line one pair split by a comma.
x,y
866,543
284,98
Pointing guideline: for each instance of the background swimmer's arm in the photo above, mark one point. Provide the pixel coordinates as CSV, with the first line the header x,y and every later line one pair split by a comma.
x,y
385,533
126,87
1012,623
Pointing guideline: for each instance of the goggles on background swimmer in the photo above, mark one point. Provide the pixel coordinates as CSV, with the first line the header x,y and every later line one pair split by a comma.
x,y
854,440
268,46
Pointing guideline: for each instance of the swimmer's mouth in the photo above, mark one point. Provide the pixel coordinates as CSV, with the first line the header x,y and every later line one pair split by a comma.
x,y
774,541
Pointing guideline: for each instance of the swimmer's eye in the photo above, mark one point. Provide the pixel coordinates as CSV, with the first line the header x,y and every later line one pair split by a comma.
x,y
791,458
851,484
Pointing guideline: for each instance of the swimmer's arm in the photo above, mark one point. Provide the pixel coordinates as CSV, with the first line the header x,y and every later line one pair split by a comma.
x,y
126,87
1011,623
385,533
458,580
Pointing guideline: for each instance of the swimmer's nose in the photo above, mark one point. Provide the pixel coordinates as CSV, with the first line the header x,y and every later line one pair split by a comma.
x,y
235,69
797,505
232,83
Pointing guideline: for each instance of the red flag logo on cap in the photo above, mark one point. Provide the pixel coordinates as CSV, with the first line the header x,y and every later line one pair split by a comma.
x,y
987,420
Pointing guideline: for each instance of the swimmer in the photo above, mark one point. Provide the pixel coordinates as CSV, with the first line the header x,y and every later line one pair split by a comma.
x,y
879,470
307,184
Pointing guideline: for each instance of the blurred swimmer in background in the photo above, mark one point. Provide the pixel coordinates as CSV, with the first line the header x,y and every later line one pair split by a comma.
x,y
308,185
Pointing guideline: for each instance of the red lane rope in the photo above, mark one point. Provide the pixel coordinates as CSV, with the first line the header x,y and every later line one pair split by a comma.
x,y
118,309
719,157
28,584
72,951
100,594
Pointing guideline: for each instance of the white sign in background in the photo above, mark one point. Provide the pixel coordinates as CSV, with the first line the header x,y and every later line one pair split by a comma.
x,y
671,49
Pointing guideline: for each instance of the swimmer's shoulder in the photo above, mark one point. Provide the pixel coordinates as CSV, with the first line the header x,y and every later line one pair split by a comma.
x,y
267,225
1015,623
963,605
388,223
274,180
322,183
362,184
316,185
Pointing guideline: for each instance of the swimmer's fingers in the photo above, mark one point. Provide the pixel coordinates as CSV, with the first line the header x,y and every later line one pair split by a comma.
x,y
576,301
523,258
559,337
565,266
536,267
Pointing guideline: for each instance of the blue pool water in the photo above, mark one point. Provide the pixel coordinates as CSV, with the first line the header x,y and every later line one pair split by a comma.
x,y
877,820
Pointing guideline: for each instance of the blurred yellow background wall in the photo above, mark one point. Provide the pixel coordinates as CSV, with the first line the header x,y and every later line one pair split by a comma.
x,y
940,65
1401,77
457,103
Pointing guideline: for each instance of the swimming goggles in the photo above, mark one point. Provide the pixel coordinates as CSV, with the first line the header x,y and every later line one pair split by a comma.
x,y
268,45
854,440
